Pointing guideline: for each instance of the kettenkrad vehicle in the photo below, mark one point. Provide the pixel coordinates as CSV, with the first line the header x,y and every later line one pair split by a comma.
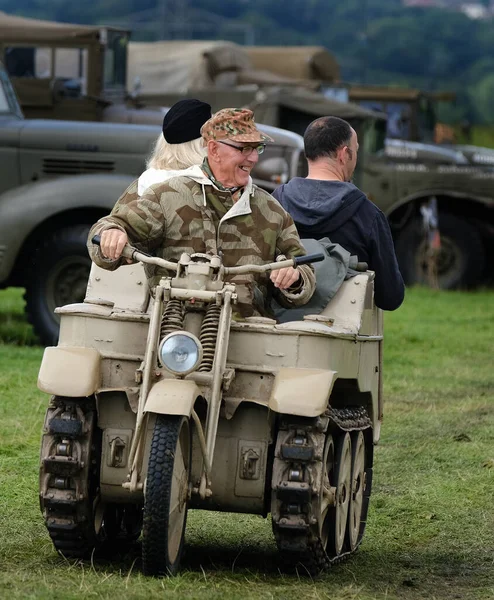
x,y
57,178
163,402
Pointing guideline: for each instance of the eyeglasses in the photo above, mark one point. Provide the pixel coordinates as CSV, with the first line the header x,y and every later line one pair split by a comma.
x,y
246,150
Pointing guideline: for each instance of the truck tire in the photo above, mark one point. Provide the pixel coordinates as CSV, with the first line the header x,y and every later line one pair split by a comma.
x,y
461,259
57,275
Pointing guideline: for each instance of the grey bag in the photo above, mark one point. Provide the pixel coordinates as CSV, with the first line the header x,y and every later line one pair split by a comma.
x,y
337,266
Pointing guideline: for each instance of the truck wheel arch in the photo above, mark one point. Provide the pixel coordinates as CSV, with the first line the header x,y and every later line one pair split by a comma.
x,y
50,223
464,224
35,210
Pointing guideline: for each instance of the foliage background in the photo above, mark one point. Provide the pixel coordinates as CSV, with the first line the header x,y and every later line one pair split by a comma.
x,y
375,41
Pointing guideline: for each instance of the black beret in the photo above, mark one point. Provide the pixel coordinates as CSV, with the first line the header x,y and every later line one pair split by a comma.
x,y
183,122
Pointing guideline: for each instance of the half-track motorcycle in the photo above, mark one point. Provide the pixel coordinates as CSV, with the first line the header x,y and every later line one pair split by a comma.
x,y
163,402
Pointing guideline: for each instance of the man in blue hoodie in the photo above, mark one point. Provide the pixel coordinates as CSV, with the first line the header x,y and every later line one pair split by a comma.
x,y
327,204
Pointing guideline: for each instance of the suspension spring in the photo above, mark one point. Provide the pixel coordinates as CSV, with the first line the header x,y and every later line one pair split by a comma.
x,y
173,317
208,336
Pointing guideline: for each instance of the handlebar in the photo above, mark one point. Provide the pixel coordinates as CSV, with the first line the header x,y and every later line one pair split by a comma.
x,y
134,254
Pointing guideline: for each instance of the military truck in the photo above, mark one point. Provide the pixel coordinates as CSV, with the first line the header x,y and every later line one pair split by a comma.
x,y
455,179
411,175
57,178
70,72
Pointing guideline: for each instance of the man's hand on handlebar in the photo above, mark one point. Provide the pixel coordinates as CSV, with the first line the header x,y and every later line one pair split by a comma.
x,y
284,278
112,243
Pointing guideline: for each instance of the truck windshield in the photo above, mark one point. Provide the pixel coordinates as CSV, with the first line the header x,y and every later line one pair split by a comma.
x,y
8,99
426,120
116,60
399,117
47,62
407,121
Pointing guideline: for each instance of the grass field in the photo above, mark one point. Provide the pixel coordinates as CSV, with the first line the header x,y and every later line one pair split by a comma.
x,y
430,533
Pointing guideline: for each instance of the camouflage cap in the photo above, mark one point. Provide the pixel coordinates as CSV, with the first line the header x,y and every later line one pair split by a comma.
x,y
236,124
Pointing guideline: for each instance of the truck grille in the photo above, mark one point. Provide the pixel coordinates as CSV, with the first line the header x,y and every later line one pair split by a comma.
x,y
58,166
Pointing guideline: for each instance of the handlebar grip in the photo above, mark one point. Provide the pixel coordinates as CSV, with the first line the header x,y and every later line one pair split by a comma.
x,y
96,239
309,258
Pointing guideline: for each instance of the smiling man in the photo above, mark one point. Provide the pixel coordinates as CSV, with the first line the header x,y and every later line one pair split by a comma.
x,y
214,209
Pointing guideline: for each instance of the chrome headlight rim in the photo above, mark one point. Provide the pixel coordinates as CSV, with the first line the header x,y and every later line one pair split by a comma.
x,y
183,334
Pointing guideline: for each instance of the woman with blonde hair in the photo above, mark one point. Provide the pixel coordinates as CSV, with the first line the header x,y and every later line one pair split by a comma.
x,y
180,146
179,150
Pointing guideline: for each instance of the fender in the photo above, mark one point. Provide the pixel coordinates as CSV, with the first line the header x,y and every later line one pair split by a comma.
x,y
172,397
70,371
302,392
25,208
427,193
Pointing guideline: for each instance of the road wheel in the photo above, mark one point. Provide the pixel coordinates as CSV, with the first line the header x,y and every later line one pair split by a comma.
x,y
58,275
327,492
461,259
166,496
338,514
356,526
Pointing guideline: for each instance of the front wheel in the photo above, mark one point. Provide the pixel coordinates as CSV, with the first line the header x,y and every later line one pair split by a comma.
x,y
461,258
166,496
58,275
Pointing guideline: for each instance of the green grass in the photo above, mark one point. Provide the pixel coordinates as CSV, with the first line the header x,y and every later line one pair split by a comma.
x,y
430,533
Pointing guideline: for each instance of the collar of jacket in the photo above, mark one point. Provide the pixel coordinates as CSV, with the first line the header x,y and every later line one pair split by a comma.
x,y
241,207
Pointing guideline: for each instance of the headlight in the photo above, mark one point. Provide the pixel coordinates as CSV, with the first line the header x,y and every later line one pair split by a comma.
x,y
180,352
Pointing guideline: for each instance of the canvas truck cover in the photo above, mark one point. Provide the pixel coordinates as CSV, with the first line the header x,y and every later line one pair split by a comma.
x,y
18,30
298,62
314,103
179,66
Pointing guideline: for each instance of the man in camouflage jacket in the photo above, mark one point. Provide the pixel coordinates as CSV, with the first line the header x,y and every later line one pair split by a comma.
x,y
214,209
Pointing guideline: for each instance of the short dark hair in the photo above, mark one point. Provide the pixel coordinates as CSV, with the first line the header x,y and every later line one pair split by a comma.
x,y
324,136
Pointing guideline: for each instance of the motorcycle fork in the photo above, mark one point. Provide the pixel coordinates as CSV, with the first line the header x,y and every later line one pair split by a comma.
x,y
214,403
137,447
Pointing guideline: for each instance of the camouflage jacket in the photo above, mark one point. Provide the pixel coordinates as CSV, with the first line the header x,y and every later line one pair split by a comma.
x,y
189,214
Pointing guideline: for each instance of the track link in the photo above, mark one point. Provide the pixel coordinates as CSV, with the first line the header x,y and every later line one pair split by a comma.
x,y
296,486
70,453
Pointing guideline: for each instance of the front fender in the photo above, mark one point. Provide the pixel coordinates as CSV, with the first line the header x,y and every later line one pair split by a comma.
x,y
74,372
172,397
426,193
25,208
302,392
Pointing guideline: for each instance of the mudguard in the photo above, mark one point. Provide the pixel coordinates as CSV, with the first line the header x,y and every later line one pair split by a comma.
x,y
302,392
172,397
70,371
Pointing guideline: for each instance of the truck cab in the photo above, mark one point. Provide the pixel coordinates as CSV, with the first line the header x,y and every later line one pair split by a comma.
x,y
69,72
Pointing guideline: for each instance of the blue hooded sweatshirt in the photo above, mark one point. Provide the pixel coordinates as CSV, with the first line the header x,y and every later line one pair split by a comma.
x,y
341,212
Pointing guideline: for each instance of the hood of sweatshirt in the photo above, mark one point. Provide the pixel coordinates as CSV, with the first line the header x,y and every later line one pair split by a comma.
x,y
319,205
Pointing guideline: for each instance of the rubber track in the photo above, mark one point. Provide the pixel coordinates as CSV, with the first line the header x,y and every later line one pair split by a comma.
x,y
307,554
68,513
